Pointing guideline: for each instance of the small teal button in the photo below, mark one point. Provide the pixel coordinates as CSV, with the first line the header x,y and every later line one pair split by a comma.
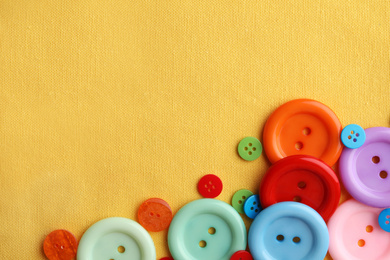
x,y
384,219
206,229
353,136
252,206
288,230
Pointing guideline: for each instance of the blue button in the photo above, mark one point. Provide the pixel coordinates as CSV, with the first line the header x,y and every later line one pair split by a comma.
x,y
384,220
288,230
252,206
353,136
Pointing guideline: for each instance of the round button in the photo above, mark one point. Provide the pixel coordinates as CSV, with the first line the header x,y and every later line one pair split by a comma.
x,y
166,258
210,186
116,238
249,148
384,220
353,136
155,215
304,179
60,245
239,199
303,126
206,229
252,206
288,229
355,233
241,255
365,171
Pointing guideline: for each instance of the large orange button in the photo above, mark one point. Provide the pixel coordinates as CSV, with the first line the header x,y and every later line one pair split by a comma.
x,y
303,126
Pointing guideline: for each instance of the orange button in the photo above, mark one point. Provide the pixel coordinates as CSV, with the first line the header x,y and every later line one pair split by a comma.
x,y
155,215
60,245
303,126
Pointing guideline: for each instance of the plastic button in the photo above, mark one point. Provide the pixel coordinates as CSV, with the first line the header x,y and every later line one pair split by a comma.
x,y
206,229
210,186
249,148
365,170
60,245
353,136
116,238
239,199
303,126
252,206
384,220
288,230
355,233
304,179
166,258
155,215
241,255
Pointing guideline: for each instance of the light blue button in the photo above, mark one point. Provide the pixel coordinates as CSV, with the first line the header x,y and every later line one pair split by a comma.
x,y
252,206
384,219
353,136
206,229
288,230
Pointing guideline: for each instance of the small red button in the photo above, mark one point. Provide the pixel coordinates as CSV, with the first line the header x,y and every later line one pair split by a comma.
x,y
166,258
304,179
241,255
60,245
155,214
210,186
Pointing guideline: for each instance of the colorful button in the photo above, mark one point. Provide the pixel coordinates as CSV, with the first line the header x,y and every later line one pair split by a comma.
x,y
116,238
60,245
241,255
166,258
239,198
155,215
301,178
355,233
365,171
206,229
288,230
303,126
353,136
384,220
252,206
210,186
249,148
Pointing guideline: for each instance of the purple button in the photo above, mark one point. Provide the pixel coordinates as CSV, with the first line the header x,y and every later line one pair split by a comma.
x,y
365,170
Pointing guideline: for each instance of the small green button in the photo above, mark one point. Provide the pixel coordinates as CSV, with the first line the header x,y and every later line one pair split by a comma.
x,y
239,198
250,148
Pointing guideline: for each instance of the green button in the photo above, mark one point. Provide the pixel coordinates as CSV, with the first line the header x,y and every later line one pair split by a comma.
x,y
239,198
250,148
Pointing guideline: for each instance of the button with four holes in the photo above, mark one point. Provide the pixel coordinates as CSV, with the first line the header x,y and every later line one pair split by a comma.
x,y
210,186
60,245
384,220
353,136
155,214
239,199
241,255
249,148
252,206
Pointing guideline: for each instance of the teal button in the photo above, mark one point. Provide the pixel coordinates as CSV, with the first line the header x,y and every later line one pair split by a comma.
x,y
118,239
206,229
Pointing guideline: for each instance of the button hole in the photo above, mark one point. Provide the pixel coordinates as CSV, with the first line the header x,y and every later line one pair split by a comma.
x,y
280,238
240,202
306,131
301,184
121,249
383,174
361,243
297,199
298,146
369,229
202,244
376,159
212,231
296,240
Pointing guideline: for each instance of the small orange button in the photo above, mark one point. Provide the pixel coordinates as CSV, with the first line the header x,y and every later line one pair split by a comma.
x,y
155,215
60,245
303,126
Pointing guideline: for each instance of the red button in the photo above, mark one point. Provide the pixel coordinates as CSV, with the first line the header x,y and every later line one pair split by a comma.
x,y
304,179
210,186
166,258
60,245
155,215
241,255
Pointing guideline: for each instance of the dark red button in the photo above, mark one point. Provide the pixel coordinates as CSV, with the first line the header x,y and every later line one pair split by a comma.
x,y
60,245
304,179
166,258
210,186
241,255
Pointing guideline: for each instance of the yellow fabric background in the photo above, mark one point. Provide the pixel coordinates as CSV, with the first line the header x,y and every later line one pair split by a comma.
x,y
104,104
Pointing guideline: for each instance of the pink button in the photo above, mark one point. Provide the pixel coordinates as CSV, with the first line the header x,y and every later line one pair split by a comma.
x,y
355,234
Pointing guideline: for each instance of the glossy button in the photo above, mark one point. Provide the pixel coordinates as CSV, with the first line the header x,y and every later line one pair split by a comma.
x,y
303,126
353,136
252,206
355,233
384,220
210,186
288,230
249,148
60,245
206,229
116,238
155,214
241,255
304,179
365,171
239,199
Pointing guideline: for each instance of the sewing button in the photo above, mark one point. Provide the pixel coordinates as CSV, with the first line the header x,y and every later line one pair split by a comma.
x,y
288,230
303,126
364,171
353,136
241,255
252,206
166,258
206,229
155,214
60,245
210,186
239,199
355,233
249,148
301,178
384,220
116,238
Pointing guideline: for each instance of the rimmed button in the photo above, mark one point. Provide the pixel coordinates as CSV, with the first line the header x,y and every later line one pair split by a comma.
x,y
155,214
384,219
241,255
60,245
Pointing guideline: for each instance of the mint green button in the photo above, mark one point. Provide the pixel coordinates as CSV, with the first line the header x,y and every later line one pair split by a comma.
x,y
206,229
249,148
118,239
239,198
